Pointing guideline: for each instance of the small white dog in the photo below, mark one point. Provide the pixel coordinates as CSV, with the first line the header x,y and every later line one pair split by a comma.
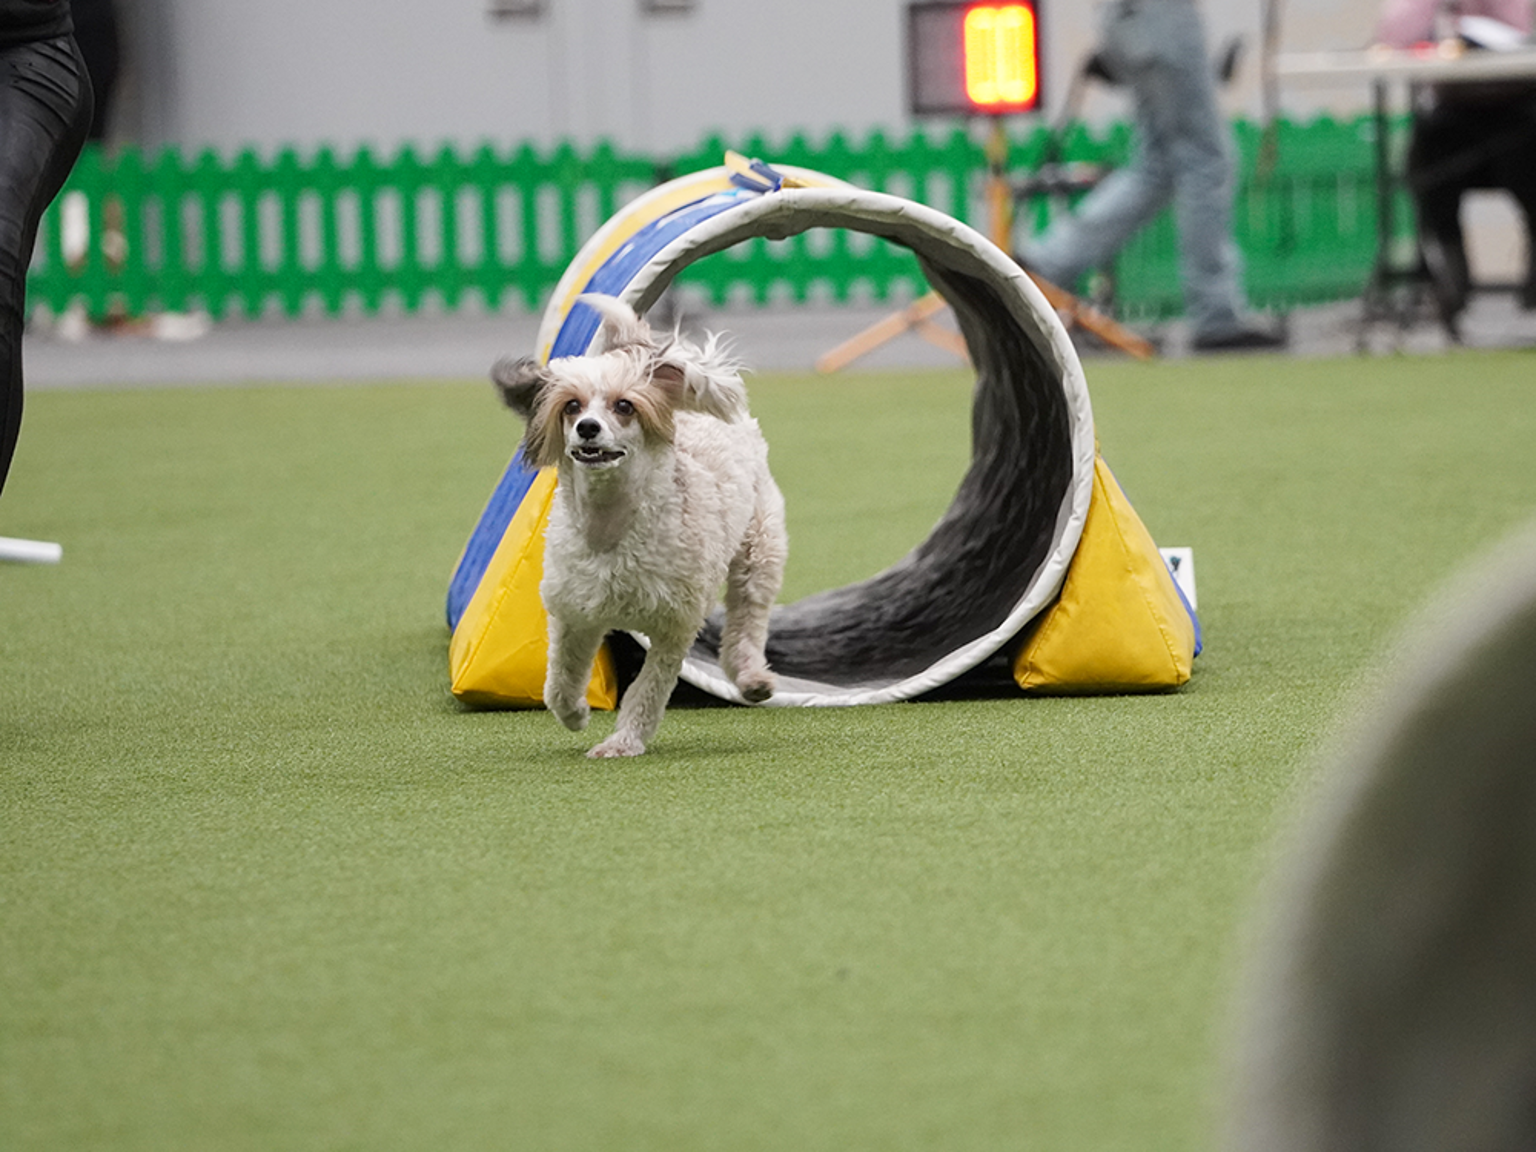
x,y
664,494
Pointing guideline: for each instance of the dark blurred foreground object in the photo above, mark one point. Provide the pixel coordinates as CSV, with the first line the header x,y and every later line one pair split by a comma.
x,y
1391,1003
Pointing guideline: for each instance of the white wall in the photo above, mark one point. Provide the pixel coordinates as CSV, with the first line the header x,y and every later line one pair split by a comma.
x,y
232,73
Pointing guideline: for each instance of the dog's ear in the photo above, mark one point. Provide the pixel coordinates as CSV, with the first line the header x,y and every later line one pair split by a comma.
x,y
544,438
520,381
695,388
620,327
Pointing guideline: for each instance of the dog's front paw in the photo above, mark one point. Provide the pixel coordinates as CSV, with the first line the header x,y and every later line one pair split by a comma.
x,y
573,714
619,744
755,687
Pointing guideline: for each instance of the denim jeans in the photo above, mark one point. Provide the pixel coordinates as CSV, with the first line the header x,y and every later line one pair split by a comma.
x,y
1183,153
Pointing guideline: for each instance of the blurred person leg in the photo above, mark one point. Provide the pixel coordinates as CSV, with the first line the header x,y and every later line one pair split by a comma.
x,y
1513,168
1183,154
1117,208
1129,197
1439,136
45,112
1180,102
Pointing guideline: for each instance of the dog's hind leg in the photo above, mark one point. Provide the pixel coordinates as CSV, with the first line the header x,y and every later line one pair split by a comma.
x,y
645,701
751,586
572,648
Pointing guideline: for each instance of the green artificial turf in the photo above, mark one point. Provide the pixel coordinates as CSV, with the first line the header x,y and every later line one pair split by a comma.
x,y
264,885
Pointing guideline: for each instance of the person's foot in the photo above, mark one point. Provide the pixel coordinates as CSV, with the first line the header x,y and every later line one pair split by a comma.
x,y
1244,339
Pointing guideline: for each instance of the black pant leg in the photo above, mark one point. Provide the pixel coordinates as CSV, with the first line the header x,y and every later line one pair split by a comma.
x,y
45,111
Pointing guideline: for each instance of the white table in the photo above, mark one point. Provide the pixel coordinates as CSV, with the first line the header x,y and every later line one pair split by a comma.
x,y
1382,68
1381,65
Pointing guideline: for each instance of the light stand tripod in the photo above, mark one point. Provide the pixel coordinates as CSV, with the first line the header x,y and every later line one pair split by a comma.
x,y
917,316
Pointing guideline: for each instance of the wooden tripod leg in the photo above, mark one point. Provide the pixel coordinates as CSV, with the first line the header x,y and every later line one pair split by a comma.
x,y
1076,311
914,315
945,338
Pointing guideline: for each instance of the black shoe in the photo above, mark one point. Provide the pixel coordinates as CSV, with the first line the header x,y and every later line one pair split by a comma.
x,y
1445,261
1240,340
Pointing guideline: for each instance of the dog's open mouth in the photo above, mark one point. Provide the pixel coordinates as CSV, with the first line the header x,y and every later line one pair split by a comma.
x,y
585,454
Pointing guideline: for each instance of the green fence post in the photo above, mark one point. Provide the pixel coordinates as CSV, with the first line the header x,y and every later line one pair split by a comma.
x,y
373,280
166,185
527,174
328,276
218,282
284,182
484,177
88,262
445,177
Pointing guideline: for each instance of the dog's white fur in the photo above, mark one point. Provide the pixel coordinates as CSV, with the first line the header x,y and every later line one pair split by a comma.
x,y
664,495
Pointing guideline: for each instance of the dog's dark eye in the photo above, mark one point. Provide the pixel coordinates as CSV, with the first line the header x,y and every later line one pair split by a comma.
x,y
624,407
572,407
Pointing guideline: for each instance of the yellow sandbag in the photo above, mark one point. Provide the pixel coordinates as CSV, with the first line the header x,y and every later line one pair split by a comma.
x,y
499,649
1120,624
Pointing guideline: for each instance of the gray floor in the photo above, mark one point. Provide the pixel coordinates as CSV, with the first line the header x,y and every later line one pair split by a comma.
x,y
322,349
331,349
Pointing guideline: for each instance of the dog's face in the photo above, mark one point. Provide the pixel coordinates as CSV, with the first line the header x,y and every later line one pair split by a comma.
x,y
598,411
595,411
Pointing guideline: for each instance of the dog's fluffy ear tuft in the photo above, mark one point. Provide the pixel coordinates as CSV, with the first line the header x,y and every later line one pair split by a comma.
x,y
713,389
620,327
520,381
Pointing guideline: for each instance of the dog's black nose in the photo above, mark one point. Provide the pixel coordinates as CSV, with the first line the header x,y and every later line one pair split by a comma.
x,y
588,429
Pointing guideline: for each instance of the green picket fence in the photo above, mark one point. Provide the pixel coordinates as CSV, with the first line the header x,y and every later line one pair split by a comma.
x,y
249,235
163,232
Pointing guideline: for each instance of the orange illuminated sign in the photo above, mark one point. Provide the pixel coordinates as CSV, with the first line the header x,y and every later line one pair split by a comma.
x,y
1000,56
970,58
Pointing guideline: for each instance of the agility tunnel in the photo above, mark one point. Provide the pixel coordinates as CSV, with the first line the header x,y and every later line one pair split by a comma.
x,y
1039,559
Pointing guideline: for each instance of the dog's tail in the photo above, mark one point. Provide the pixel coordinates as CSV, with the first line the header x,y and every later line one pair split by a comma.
x,y
619,326
711,376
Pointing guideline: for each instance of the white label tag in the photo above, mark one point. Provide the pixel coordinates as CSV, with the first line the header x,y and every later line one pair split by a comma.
x,y
30,551
1181,562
